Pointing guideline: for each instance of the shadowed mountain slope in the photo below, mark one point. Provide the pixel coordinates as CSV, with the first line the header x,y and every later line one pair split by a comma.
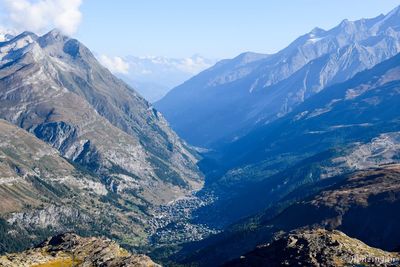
x,y
363,205
226,101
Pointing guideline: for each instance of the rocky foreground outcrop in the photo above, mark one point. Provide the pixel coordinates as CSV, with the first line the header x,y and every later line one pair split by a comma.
x,y
72,250
364,205
317,248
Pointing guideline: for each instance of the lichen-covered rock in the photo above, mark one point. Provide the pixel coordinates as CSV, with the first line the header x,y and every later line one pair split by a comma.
x,y
316,248
72,250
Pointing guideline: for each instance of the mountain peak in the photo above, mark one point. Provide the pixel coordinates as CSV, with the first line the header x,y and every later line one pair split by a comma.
x,y
20,41
317,31
248,57
59,43
394,12
391,19
55,33
24,35
345,23
53,36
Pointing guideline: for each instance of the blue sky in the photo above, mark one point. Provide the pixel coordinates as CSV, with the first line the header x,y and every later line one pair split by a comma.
x,y
212,28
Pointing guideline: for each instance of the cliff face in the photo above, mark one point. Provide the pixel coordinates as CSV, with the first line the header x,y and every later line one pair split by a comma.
x,y
72,250
32,172
42,194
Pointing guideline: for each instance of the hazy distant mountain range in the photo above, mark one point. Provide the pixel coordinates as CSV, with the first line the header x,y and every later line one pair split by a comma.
x,y
154,76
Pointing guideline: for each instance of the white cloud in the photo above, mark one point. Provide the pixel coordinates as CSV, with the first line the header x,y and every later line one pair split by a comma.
x,y
42,15
194,65
6,34
114,64
191,65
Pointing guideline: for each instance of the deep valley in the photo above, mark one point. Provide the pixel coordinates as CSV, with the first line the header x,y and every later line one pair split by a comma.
x,y
284,159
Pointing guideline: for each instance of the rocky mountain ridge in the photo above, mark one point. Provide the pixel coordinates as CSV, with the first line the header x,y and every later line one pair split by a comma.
x,y
316,248
53,87
363,205
254,89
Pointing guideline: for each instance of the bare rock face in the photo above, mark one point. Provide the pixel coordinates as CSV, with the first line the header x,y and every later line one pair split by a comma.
x,y
72,250
316,248
43,194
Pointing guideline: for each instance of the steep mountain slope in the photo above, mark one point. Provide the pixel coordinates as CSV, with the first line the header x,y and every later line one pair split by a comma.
x,y
72,250
225,101
359,206
53,87
348,126
316,248
363,205
42,194
24,161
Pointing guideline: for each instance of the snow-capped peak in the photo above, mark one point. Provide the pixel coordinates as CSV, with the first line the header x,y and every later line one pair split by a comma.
x,y
6,35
